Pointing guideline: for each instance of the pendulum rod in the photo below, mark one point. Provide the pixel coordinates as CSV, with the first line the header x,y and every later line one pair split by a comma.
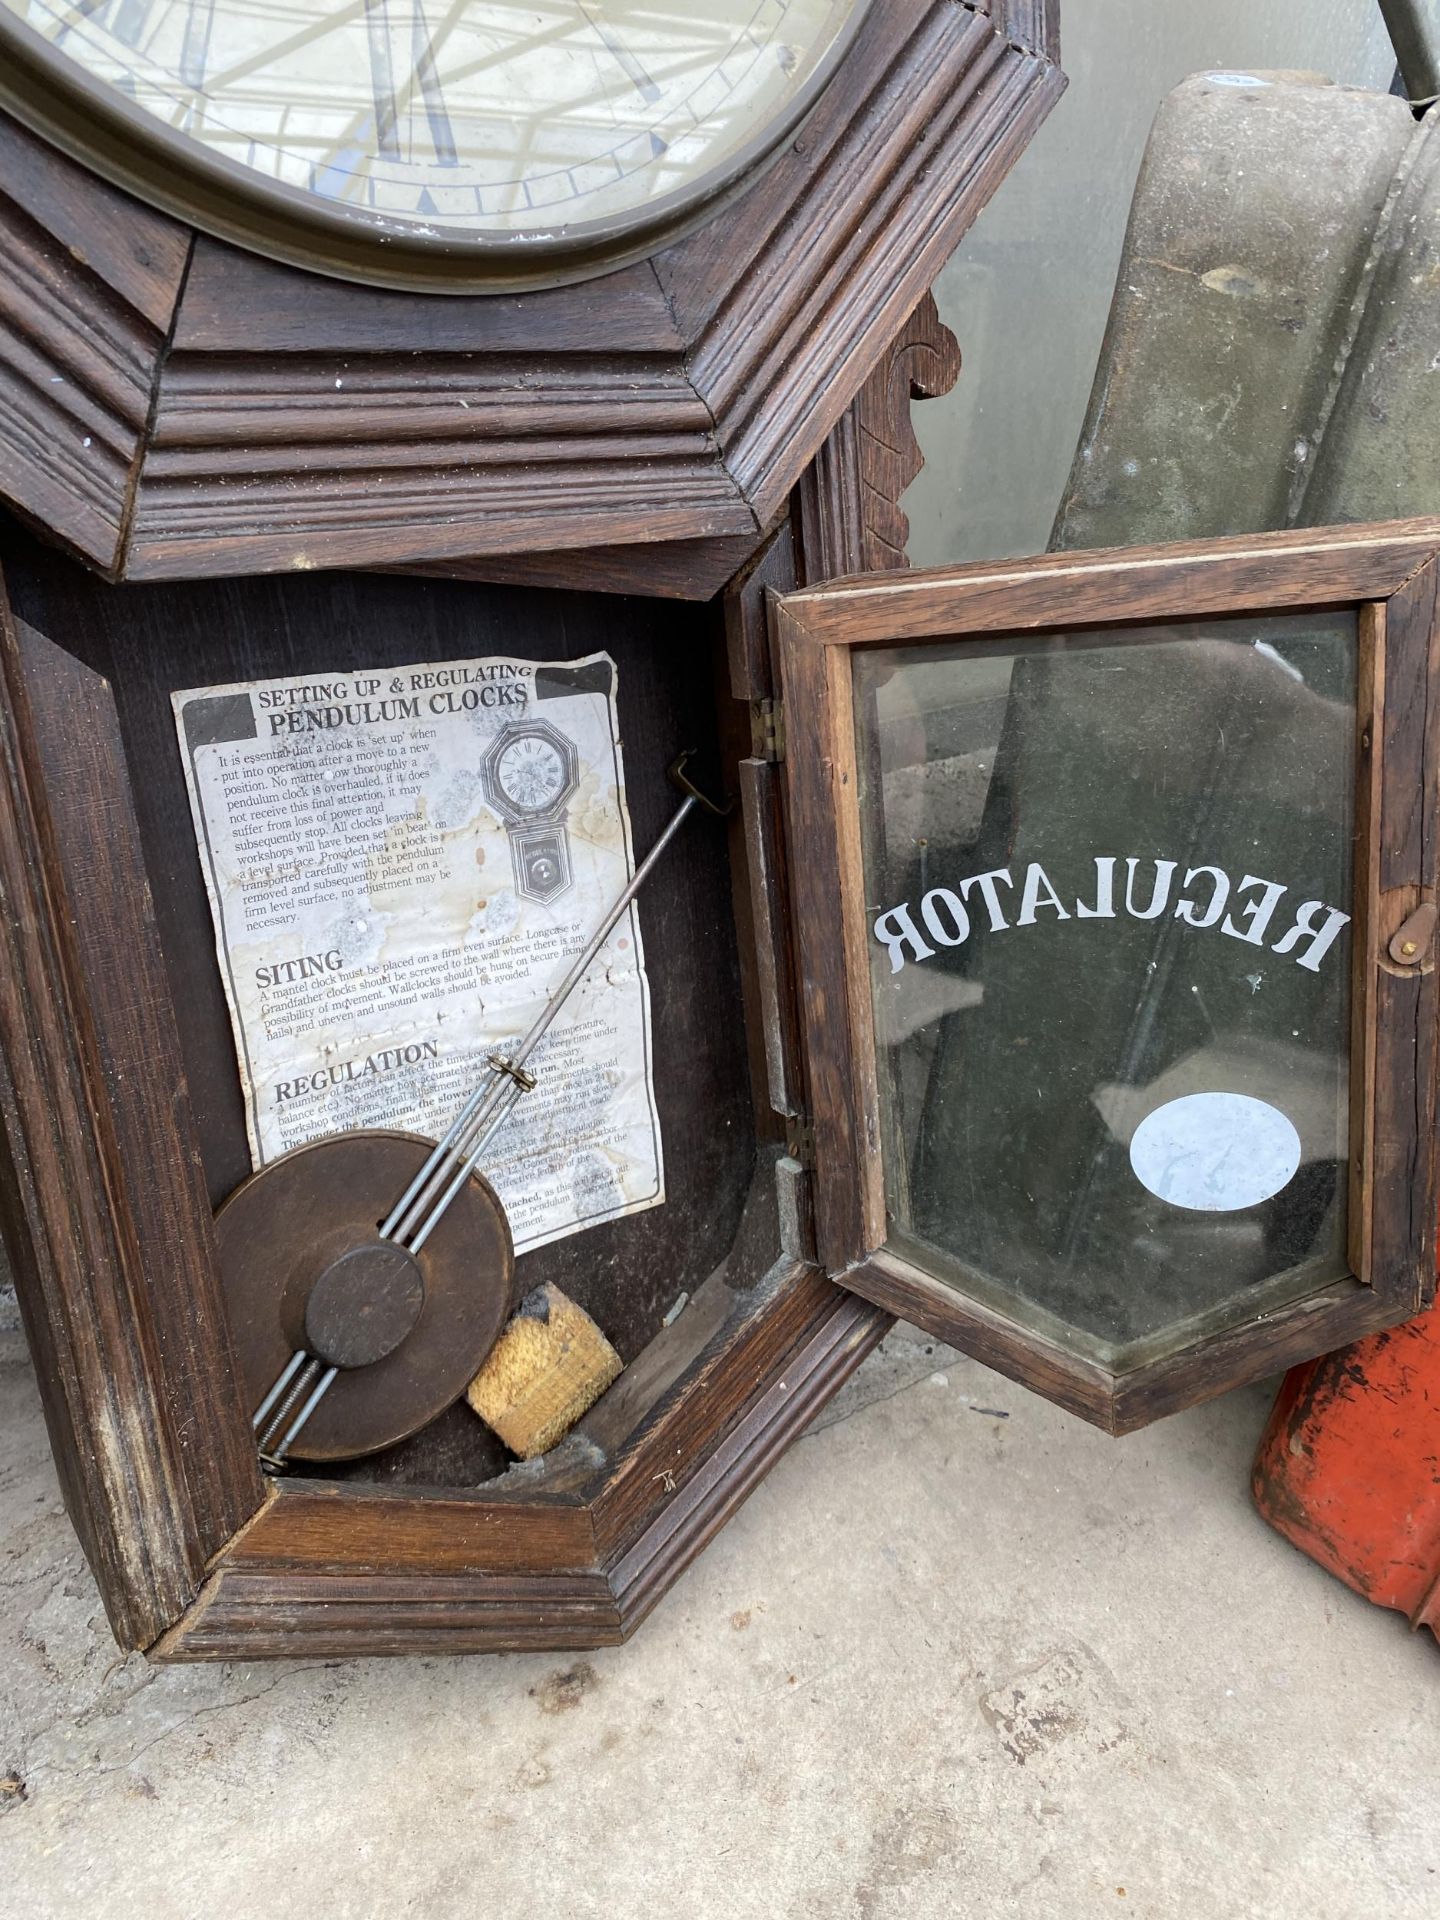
x,y
425,1202
459,1153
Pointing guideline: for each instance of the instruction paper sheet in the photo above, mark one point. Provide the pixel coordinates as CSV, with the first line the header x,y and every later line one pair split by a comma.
x,y
400,865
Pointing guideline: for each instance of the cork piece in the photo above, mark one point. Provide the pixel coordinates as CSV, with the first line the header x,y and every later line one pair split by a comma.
x,y
549,1366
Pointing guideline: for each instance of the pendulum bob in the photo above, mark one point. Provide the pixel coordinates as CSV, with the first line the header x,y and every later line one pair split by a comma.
x,y
303,1268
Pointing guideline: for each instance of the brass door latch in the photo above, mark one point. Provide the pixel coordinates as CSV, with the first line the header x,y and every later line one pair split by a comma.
x,y
1413,939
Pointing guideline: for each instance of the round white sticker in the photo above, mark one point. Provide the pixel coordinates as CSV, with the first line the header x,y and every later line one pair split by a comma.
x,y
1215,1152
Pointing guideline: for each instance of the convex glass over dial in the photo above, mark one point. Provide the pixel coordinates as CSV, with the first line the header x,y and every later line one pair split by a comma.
x,y
549,130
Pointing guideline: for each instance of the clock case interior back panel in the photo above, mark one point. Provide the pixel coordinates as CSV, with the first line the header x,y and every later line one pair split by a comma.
x,y
295,429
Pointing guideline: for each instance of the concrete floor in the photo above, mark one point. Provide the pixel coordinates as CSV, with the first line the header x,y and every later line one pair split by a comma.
x,y
959,1656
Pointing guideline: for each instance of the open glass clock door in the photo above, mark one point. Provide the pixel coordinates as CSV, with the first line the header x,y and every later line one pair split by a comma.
x,y
1123,1060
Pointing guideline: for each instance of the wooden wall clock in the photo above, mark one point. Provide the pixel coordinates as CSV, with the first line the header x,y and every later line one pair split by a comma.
x,y
321,413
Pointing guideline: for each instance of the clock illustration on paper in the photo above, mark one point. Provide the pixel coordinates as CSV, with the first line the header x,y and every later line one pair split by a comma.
x,y
383,139
529,773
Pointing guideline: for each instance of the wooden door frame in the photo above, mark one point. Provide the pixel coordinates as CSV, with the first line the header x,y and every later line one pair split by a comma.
x,y
1388,575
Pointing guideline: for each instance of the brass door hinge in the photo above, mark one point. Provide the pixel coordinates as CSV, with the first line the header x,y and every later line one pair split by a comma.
x,y
767,730
800,1138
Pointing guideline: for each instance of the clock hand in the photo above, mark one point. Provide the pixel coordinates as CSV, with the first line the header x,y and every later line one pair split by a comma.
x,y
82,11
382,80
620,54
380,127
424,47
195,47
392,101
127,23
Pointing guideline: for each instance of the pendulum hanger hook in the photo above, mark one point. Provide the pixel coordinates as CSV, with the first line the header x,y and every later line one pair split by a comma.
x,y
675,773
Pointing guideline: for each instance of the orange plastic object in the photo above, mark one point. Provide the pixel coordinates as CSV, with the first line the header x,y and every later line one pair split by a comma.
x,y
1349,1468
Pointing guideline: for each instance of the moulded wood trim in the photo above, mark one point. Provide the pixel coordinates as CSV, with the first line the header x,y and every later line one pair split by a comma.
x,y
343,1570
1121,1403
1028,23
1403,1172
848,500
347,1526
238,299
851,940
1304,567
1365,948
674,570
1411,727
138,255
781,1320
371,514
456,410
1072,1382
851,520
249,1613
808,1378
104,1210
1270,1344
89,283
846,1137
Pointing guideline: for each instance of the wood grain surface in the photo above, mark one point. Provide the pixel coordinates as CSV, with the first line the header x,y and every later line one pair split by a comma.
x,y
105,1215
88,282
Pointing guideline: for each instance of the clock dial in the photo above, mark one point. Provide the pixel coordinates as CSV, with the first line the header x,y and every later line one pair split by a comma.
x,y
531,773
454,121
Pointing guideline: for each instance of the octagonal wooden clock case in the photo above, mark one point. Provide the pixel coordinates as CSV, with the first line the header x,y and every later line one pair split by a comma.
x,y
335,350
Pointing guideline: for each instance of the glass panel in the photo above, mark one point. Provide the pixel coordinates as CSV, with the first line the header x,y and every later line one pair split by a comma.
x,y
1108,880
1029,290
486,118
